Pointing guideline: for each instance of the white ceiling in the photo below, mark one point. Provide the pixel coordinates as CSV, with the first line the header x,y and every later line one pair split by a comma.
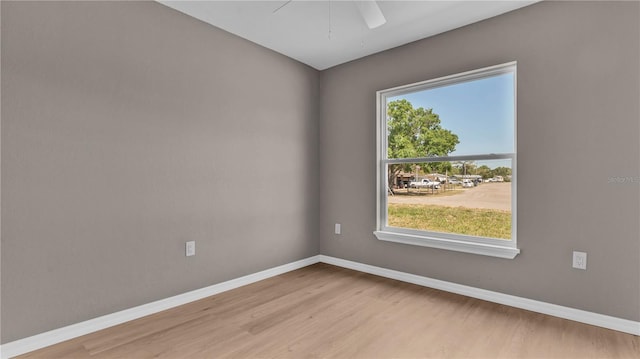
x,y
323,34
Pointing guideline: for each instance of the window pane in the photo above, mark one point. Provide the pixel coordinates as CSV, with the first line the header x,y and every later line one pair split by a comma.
x,y
464,118
464,197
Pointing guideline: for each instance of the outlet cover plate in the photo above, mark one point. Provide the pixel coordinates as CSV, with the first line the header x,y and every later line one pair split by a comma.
x,y
190,248
580,260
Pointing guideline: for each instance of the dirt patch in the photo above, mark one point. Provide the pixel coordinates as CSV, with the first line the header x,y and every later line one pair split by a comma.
x,y
486,195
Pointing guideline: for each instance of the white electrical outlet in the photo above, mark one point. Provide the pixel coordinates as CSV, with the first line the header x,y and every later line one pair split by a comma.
x,y
580,260
190,248
337,228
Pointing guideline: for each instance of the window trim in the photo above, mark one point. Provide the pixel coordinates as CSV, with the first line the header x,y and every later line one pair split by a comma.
x,y
455,242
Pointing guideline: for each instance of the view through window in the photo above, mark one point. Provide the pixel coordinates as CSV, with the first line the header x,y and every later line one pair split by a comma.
x,y
447,157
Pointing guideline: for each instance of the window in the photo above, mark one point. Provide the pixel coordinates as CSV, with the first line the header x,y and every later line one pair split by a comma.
x,y
447,162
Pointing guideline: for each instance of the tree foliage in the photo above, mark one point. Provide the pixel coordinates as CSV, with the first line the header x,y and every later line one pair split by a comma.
x,y
465,167
487,172
484,171
416,132
502,171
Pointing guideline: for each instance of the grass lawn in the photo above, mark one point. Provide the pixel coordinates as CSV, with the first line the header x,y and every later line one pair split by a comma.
x,y
473,222
426,192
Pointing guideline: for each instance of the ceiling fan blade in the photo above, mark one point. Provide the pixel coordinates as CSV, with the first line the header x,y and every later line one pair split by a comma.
x,y
371,13
281,6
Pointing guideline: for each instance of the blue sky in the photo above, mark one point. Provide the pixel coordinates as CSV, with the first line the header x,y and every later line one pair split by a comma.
x,y
480,112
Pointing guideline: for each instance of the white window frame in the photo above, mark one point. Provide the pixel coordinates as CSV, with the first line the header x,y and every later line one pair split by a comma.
x,y
456,242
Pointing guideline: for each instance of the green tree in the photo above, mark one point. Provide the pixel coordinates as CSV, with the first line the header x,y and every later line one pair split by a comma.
x,y
502,171
465,167
484,171
439,167
415,132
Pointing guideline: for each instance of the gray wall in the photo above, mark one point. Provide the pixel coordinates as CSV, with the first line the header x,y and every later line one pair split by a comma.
x,y
578,125
130,128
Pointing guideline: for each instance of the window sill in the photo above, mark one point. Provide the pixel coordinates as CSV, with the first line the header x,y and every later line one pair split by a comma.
x,y
449,244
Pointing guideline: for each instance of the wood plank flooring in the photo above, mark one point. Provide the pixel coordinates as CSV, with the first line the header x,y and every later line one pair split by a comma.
x,y
330,312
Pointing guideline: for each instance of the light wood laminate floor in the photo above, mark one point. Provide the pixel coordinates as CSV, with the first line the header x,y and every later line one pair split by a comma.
x,y
326,311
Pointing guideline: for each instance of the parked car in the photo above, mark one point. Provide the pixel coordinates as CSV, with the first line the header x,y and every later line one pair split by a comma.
x,y
453,181
467,183
425,183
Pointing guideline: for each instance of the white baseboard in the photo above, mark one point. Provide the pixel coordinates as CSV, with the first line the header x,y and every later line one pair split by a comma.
x,y
55,336
59,335
600,320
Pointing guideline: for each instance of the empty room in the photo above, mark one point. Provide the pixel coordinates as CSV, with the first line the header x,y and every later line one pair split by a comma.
x,y
336,179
